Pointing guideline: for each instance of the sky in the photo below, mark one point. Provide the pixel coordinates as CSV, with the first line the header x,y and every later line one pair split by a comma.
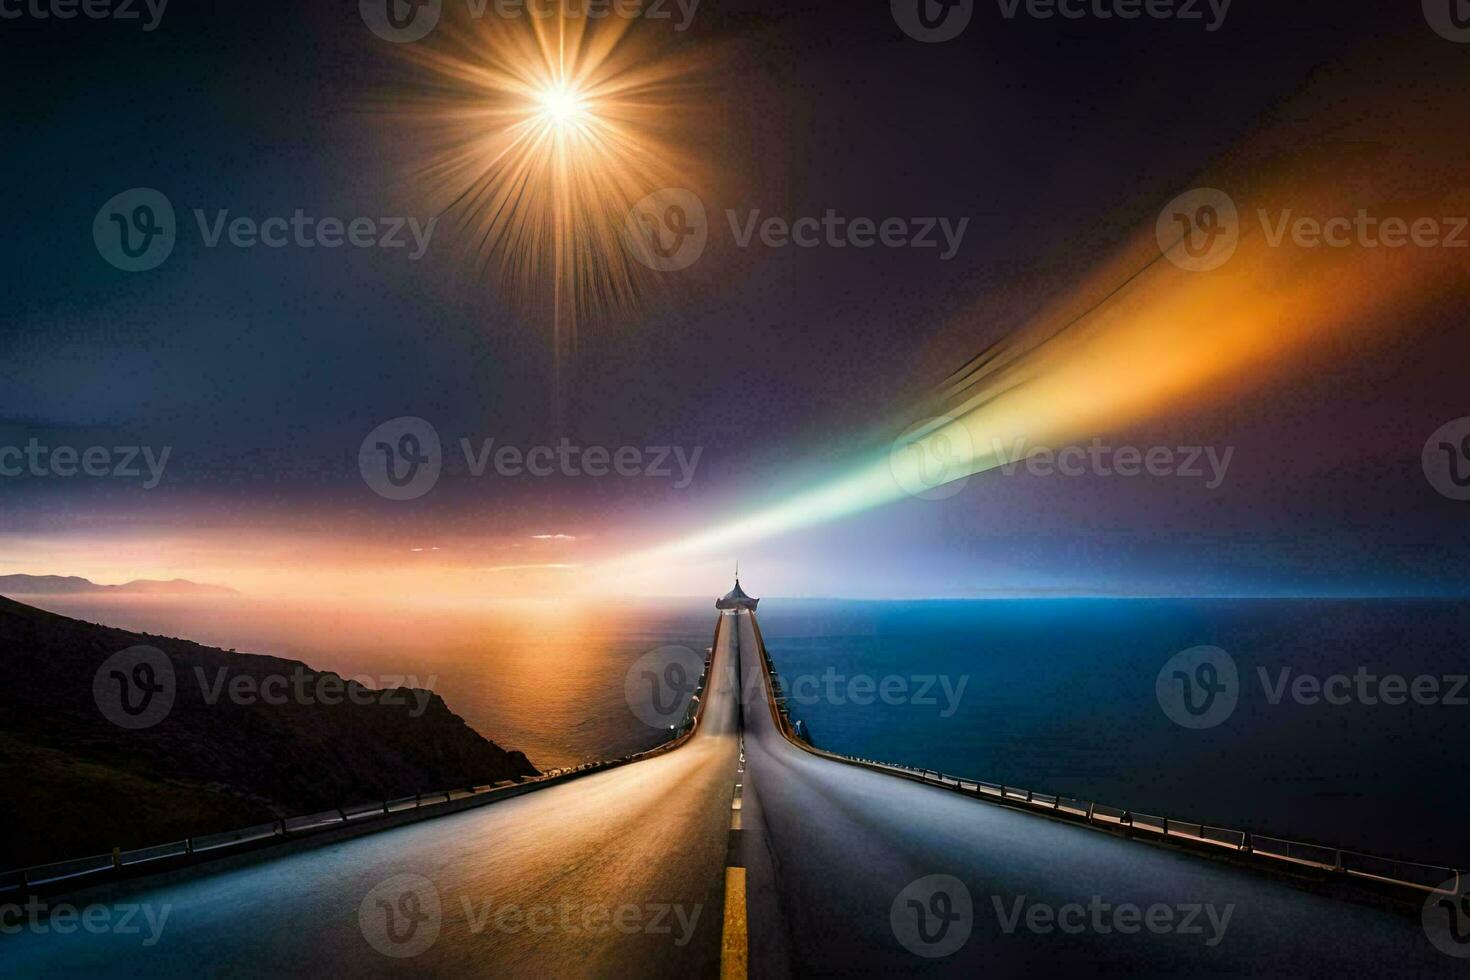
x,y
760,373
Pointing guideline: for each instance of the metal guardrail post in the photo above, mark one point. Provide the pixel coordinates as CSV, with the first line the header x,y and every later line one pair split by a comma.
x,y
1090,808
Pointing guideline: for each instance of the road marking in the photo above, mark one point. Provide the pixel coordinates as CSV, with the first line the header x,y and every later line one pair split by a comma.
x,y
734,949
735,944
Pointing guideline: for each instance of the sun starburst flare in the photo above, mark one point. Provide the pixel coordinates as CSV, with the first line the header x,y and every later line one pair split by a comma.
x,y
539,135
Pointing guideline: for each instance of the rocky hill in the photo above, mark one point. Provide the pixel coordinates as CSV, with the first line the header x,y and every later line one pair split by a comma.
x,y
110,738
13,585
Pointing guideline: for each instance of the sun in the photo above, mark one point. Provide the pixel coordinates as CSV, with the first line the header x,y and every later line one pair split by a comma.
x,y
537,140
563,106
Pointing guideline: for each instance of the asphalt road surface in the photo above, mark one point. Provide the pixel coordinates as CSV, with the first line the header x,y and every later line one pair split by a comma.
x,y
617,874
622,874
838,846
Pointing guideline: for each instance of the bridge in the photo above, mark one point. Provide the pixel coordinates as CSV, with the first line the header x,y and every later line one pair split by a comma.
x,y
739,852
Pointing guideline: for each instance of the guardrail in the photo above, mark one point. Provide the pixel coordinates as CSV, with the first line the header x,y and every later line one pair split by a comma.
x,y
80,872
1272,851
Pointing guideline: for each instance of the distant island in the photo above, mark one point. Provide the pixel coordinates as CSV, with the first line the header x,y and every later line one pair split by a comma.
x,y
74,783
74,585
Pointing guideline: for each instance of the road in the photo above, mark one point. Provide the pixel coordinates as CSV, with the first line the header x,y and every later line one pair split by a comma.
x,y
616,874
835,845
621,874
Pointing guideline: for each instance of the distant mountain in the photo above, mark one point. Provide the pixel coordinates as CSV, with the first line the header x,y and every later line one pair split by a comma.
x,y
73,585
73,782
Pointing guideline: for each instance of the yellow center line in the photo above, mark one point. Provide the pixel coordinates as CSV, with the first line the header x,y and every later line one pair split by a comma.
x,y
734,951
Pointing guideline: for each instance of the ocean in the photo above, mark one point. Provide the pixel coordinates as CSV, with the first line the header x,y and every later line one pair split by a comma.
x,y
1071,696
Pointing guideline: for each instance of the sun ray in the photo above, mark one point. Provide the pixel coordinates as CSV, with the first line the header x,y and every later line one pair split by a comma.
x,y
539,135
